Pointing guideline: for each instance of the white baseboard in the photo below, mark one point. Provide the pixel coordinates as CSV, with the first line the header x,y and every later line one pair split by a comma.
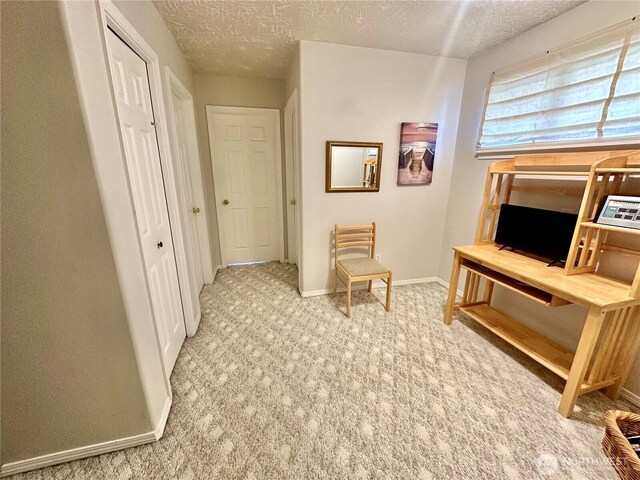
x,y
446,285
630,397
314,293
215,271
56,458
159,430
412,281
75,454
192,329
442,282
363,286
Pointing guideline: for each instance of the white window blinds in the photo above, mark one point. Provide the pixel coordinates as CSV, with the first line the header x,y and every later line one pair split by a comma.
x,y
587,92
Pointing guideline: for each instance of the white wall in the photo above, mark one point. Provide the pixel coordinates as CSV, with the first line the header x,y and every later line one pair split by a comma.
x,y
222,90
563,324
360,94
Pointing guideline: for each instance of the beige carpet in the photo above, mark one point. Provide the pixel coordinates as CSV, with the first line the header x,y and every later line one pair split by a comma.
x,y
276,386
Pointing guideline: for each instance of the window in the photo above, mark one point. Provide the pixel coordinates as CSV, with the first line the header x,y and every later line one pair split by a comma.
x,y
585,93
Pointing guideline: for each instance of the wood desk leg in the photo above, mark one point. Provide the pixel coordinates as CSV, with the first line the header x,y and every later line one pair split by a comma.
x,y
388,304
629,349
588,340
349,297
453,289
488,292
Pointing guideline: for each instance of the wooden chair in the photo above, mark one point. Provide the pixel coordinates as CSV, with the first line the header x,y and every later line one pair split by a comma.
x,y
361,269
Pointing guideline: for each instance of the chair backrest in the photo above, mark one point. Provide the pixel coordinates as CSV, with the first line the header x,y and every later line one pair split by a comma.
x,y
355,236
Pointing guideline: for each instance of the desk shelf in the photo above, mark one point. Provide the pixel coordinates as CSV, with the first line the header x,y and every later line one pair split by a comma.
x,y
610,228
547,173
537,295
544,351
626,170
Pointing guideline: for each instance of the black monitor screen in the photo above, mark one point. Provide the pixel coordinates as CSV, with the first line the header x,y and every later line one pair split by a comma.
x,y
545,233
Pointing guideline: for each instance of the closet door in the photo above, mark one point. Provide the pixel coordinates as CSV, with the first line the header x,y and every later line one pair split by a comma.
x,y
135,112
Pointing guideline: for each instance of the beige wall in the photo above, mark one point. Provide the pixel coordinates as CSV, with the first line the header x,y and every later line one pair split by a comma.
x,y
562,324
86,42
360,94
229,91
69,375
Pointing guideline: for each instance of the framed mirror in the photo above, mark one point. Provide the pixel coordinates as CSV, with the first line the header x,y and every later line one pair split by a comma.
x,y
353,166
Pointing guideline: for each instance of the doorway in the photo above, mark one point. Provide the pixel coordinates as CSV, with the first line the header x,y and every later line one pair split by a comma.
x,y
137,125
247,177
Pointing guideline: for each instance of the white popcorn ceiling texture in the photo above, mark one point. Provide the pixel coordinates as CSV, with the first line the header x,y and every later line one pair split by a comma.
x,y
258,38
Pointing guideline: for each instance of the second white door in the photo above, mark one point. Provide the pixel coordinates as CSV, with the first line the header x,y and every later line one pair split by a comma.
x,y
188,199
247,176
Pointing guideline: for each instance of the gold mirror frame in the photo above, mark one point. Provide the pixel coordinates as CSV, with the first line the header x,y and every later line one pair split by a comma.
x,y
375,188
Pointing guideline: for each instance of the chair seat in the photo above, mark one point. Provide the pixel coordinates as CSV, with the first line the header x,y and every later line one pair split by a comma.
x,y
357,267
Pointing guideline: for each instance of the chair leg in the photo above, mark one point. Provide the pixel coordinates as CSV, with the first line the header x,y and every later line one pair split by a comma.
x,y
335,282
348,298
388,306
370,284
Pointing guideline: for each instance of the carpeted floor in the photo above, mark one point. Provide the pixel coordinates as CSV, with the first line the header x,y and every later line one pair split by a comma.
x,y
276,386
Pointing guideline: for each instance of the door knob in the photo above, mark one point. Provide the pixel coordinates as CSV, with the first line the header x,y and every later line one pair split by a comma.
x,y
225,202
160,244
195,210
292,202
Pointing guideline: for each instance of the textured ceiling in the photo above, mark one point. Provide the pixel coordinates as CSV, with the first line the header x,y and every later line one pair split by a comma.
x,y
258,38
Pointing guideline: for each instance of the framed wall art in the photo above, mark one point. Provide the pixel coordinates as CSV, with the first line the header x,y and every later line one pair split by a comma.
x,y
417,153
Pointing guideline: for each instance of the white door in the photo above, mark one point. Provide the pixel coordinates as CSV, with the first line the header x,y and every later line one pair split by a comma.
x,y
290,153
131,85
187,192
245,151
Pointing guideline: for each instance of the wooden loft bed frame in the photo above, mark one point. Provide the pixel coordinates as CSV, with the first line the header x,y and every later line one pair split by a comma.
x,y
611,334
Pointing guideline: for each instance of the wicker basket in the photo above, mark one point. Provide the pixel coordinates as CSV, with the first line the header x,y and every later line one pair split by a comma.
x,y
617,447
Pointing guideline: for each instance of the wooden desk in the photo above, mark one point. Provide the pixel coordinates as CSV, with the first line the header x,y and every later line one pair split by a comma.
x,y
611,335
